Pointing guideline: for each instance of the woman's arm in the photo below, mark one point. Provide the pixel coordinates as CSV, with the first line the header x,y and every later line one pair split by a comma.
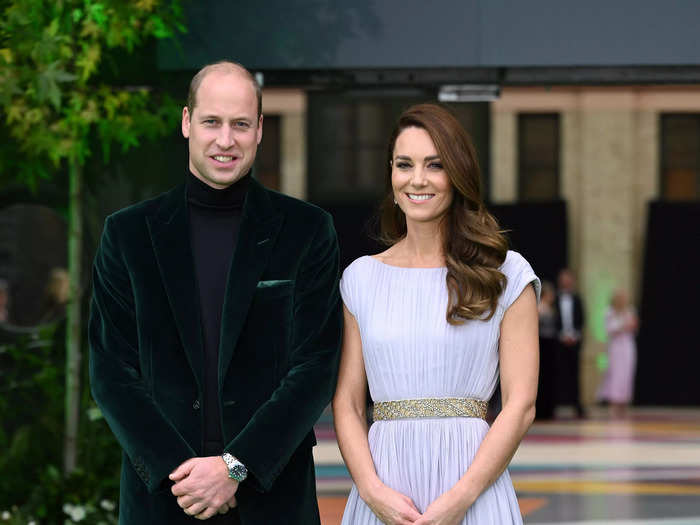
x,y
350,421
615,323
519,362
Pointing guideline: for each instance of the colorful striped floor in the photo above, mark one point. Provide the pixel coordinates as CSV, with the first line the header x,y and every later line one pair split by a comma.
x,y
641,471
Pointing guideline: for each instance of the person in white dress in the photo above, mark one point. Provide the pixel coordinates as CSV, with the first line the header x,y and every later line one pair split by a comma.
x,y
431,324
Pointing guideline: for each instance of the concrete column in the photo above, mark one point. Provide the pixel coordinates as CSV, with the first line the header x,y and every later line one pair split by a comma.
x,y
607,212
645,187
570,180
504,155
290,105
293,151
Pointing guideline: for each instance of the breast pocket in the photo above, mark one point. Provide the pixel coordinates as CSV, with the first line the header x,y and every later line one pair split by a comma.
x,y
273,289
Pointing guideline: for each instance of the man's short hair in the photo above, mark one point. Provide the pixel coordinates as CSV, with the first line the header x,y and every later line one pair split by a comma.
x,y
222,65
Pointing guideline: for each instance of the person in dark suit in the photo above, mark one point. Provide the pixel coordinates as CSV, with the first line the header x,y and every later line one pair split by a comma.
x,y
570,320
215,329
549,350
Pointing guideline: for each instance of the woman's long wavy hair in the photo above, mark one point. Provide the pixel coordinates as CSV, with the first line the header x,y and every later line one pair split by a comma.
x,y
474,245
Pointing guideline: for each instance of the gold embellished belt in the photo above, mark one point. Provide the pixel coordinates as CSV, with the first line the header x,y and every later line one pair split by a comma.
x,y
430,407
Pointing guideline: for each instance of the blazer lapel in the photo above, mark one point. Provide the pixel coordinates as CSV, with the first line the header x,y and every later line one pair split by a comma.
x,y
170,237
260,225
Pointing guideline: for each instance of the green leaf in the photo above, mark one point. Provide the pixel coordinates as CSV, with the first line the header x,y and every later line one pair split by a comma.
x,y
97,13
94,413
160,29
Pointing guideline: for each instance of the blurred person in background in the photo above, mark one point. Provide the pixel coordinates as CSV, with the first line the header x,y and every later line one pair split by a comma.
x,y
570,323
4,301
546,389
621,325
55,296
431,324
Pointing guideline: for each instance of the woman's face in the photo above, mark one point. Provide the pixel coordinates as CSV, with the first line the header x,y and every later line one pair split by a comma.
x,y
421,186
619,300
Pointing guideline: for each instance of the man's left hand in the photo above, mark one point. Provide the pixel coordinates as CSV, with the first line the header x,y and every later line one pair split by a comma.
x,y
202,486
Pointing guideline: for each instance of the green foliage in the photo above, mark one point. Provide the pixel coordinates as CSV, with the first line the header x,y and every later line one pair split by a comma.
x,y
53,98
32,390
64,97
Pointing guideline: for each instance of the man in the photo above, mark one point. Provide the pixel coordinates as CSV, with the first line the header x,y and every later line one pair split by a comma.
x,y
215,329
570,321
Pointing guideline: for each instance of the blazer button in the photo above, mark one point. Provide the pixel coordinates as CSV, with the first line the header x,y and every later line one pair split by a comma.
x,y
195,405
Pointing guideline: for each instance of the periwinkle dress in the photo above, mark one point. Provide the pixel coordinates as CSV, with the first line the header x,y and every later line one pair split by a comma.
x,y
410,352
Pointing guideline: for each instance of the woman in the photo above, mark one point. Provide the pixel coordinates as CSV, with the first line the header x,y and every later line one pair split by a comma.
x,y
428,324
618,384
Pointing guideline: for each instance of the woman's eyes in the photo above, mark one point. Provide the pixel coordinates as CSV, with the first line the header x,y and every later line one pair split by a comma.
x,y
408,165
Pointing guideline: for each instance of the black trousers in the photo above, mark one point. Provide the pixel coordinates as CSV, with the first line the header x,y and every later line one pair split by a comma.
x,y
230,518
568,372
547,381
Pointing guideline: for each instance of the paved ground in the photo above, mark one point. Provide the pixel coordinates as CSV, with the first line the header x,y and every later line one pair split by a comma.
x,y
642,471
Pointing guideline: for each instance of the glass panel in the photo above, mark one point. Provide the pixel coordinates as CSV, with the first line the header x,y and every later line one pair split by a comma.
x,y
267,161
33,261
538,156
680,156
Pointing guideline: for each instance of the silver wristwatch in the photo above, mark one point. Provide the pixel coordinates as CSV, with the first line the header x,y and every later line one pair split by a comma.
x,y
236,469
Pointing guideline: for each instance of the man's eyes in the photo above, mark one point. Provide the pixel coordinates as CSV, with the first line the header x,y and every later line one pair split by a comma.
x,y
215,122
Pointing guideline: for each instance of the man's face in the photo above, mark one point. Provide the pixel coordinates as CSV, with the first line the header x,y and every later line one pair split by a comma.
x,y
566,281
224,129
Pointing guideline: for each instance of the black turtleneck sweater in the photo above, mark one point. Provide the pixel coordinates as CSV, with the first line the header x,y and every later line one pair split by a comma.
x,y
215,218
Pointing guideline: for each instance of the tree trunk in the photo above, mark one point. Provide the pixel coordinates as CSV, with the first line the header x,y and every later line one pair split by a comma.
x,y
73,317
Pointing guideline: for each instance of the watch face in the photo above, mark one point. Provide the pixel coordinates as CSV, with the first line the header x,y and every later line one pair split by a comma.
x,y
238,472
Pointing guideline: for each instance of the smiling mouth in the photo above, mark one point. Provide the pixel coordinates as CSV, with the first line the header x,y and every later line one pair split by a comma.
x,y
224,158
418,197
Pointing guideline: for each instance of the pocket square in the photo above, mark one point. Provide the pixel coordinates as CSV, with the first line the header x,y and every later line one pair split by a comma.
x,y
268,284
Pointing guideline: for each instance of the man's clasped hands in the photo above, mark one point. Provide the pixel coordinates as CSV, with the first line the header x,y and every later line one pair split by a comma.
x,y
203,488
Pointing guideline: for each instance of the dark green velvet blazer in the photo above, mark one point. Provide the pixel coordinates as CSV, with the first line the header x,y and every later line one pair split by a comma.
x,y
278,357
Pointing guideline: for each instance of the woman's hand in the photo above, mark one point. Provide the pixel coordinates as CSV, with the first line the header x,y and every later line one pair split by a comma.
x,y
392,507
448,509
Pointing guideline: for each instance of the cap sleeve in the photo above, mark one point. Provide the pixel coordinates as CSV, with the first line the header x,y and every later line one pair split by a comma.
x,y
519,274
348,286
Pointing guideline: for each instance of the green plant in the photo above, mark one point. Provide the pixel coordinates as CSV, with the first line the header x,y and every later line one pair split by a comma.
x,y
32,486
62,100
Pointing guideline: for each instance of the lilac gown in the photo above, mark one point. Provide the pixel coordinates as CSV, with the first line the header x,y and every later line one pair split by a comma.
x,y
410,351
618,382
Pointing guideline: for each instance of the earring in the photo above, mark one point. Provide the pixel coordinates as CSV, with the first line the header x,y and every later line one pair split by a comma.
x,y
395,201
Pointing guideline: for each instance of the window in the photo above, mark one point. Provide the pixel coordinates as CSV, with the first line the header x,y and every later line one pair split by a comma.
x,y
267,160
680,156
348,137
538,156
